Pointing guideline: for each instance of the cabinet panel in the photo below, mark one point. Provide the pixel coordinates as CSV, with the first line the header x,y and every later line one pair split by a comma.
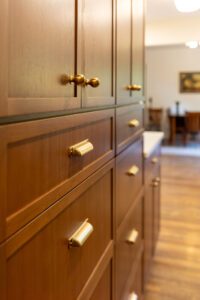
x,y
148,229
138,48
156,208
129,242
136,287
41,48
103,290
128,185
57,271
97,47
40,169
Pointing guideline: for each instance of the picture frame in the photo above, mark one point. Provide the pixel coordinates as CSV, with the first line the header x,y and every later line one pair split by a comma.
x,y
189,82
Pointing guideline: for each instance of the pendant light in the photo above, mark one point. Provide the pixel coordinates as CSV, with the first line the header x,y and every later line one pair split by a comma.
x,y
187,6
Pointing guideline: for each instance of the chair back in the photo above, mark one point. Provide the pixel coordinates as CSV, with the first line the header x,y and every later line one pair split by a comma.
x,y
155,116
193,122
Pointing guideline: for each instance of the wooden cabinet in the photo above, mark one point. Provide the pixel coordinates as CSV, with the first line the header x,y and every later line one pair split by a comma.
x,y
151,207
71,165
44,40
130,51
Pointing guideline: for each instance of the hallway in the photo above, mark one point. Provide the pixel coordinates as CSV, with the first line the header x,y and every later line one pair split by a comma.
x,y
175,274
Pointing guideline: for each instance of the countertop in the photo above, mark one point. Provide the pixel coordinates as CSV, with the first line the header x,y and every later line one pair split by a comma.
x,y
151,140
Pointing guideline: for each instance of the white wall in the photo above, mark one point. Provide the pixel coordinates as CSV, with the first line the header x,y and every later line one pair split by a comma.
x,y
163,65
172,31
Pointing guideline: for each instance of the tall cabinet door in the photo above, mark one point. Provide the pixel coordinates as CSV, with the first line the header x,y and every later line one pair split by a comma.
x,y
130,53
41,41
137,78
96,45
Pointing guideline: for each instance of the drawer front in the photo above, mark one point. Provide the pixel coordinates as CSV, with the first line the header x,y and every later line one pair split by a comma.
x,y
44,161
128,178
152,163
129,242
59,259
103,290
129,124
136,289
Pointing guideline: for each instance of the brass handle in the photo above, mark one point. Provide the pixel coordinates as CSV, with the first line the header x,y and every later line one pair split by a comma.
x,y
133,171
76,79
154,160
157,179
155,184
132,237
134,123
81,148
81,235
93,82
133,296
134,87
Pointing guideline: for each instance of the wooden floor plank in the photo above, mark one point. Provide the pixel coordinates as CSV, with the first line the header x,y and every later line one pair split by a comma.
x,y
175,273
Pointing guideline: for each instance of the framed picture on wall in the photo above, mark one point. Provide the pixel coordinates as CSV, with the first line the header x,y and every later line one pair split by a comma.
x,y
190,82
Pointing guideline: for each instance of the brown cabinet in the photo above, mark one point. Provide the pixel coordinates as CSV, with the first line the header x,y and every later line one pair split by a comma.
x,y
151,207
42,42
53,257
130,58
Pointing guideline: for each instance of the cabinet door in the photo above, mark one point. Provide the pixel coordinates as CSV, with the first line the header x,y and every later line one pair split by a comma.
x,y
156,213
130,50
40,47
96,48
137,78
148,230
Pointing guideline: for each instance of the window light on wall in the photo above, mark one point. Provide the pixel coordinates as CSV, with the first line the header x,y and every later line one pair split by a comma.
x,y
187,6
192,44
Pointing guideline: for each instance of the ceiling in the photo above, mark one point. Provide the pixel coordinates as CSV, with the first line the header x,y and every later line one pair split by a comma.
x,y
158,10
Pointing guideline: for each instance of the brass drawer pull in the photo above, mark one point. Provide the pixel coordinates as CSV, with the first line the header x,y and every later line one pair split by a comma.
x,y
133,296
81,235
134,87
132,237
134,123
133,171
157,179
155,183
154,160
81,148
93,82
76,79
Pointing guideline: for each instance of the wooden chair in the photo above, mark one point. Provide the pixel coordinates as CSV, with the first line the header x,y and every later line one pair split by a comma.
x,y
155,118
192,123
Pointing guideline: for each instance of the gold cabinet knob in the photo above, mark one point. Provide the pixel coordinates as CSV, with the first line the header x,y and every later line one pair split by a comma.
x,y
80,149
134,87
132,237
154,160
134,123
93,82
76,79
133,296
157,179
133,171
81,235
155,184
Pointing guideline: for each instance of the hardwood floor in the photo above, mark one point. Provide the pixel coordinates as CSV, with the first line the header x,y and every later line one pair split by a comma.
x,y
175,273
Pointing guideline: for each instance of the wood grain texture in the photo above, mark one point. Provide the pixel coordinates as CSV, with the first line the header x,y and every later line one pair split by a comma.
x,y
39,168
41,48
175,273
125,135
128,187
3,57
58,272
98,49
3,184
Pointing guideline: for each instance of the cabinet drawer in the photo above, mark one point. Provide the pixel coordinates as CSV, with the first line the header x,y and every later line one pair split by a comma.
x,y
103,290
129,241
40,167
128,178
42,263
129,124
151,164
136,289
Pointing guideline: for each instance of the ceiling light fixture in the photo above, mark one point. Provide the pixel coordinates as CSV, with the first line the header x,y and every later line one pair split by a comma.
x,y
187,6
192,44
